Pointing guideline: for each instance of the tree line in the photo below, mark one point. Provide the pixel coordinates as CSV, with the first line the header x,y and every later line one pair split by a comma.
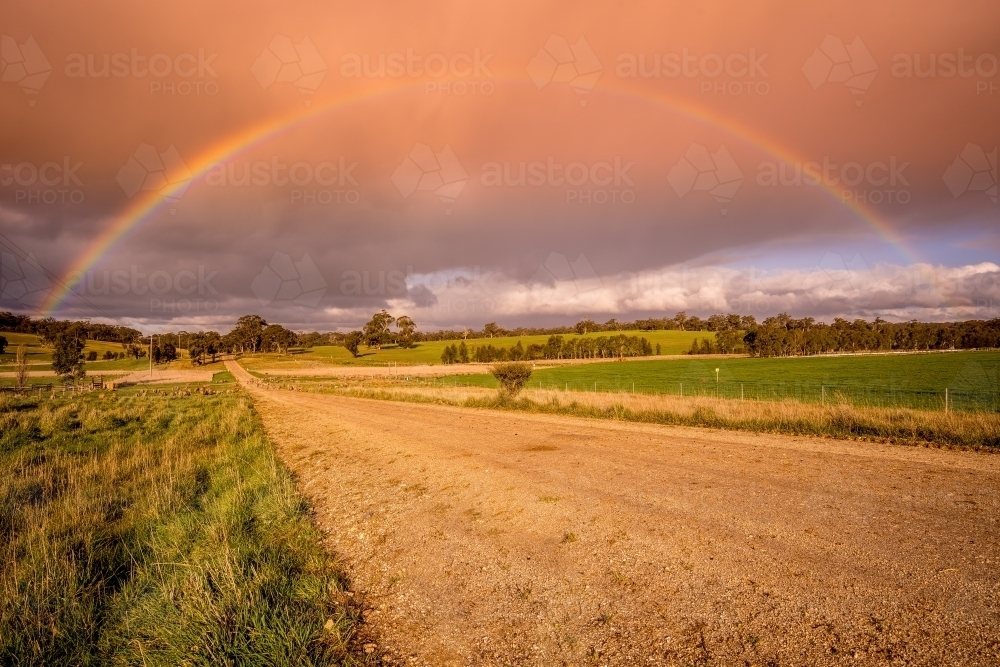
x,y
780,335
785,336
603,347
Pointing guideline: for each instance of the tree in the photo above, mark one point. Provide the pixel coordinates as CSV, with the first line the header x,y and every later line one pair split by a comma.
x,y
463,353
352,341
450,354
512,377
277,337
203,346
163,352
406,328
248,332
492,330
377,330
583,326
67,354
131,341
21,367
168,352
3,344
729,341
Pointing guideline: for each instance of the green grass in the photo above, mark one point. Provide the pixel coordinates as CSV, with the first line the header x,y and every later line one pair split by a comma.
x,y
40,357
223,376
156,527
37,352
917,380
671,342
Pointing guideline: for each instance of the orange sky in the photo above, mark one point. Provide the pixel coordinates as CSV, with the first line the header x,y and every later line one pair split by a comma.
x,y
517,108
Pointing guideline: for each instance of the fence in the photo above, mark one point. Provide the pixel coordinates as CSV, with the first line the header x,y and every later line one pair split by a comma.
x,y
94,383
957,399
952,399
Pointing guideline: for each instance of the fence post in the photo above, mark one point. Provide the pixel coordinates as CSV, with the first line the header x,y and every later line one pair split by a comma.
x,y
682,390
741,391
822,391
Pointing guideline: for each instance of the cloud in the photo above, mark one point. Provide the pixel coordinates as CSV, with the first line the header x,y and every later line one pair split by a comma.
x,y
831,289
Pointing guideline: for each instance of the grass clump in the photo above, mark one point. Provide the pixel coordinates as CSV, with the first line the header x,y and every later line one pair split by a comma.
x,y
157,530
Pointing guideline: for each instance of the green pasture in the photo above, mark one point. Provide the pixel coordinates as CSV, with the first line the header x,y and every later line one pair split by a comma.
x,y
671,342
910,380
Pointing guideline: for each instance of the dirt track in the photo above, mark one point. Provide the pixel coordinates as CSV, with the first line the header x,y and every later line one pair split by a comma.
x,y
480,537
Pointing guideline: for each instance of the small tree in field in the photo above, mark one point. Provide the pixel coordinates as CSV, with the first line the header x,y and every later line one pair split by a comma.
x,y
67,355
512,377
352,341
21,367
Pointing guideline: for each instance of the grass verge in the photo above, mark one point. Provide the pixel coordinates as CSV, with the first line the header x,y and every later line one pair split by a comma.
x,y
974,430
158,530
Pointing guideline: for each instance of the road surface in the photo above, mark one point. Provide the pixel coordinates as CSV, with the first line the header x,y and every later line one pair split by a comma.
x,y
487,537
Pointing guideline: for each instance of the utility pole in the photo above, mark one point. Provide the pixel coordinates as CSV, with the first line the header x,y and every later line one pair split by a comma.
x,y
716,382
150,355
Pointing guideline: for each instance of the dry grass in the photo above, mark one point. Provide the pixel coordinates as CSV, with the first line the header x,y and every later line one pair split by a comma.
x,y
904,425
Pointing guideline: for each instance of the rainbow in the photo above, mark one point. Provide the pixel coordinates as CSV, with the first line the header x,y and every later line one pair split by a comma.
x,y
147,205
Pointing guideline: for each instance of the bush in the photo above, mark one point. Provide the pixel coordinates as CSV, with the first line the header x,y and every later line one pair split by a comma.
x,y
92,355
512,376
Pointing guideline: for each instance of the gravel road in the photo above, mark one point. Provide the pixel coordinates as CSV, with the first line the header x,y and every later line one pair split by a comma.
x,y
486,537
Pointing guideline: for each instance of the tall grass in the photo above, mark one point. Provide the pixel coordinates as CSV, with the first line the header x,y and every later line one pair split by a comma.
x,y
157,530
840,420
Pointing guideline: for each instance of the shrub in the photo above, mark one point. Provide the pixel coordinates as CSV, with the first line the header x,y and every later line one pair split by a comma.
x,y
92,355
512,377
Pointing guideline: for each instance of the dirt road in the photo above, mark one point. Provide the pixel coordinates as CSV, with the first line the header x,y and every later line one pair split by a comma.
x,y
481,537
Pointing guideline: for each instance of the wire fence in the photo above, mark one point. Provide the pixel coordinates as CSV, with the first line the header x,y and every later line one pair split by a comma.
x,y
957,399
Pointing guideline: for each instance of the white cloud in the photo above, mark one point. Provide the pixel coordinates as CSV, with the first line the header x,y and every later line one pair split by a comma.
x,y
921,291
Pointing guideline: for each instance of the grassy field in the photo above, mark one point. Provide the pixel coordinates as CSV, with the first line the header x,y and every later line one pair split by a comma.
x,y
917,380
671,342
40,357
156,527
